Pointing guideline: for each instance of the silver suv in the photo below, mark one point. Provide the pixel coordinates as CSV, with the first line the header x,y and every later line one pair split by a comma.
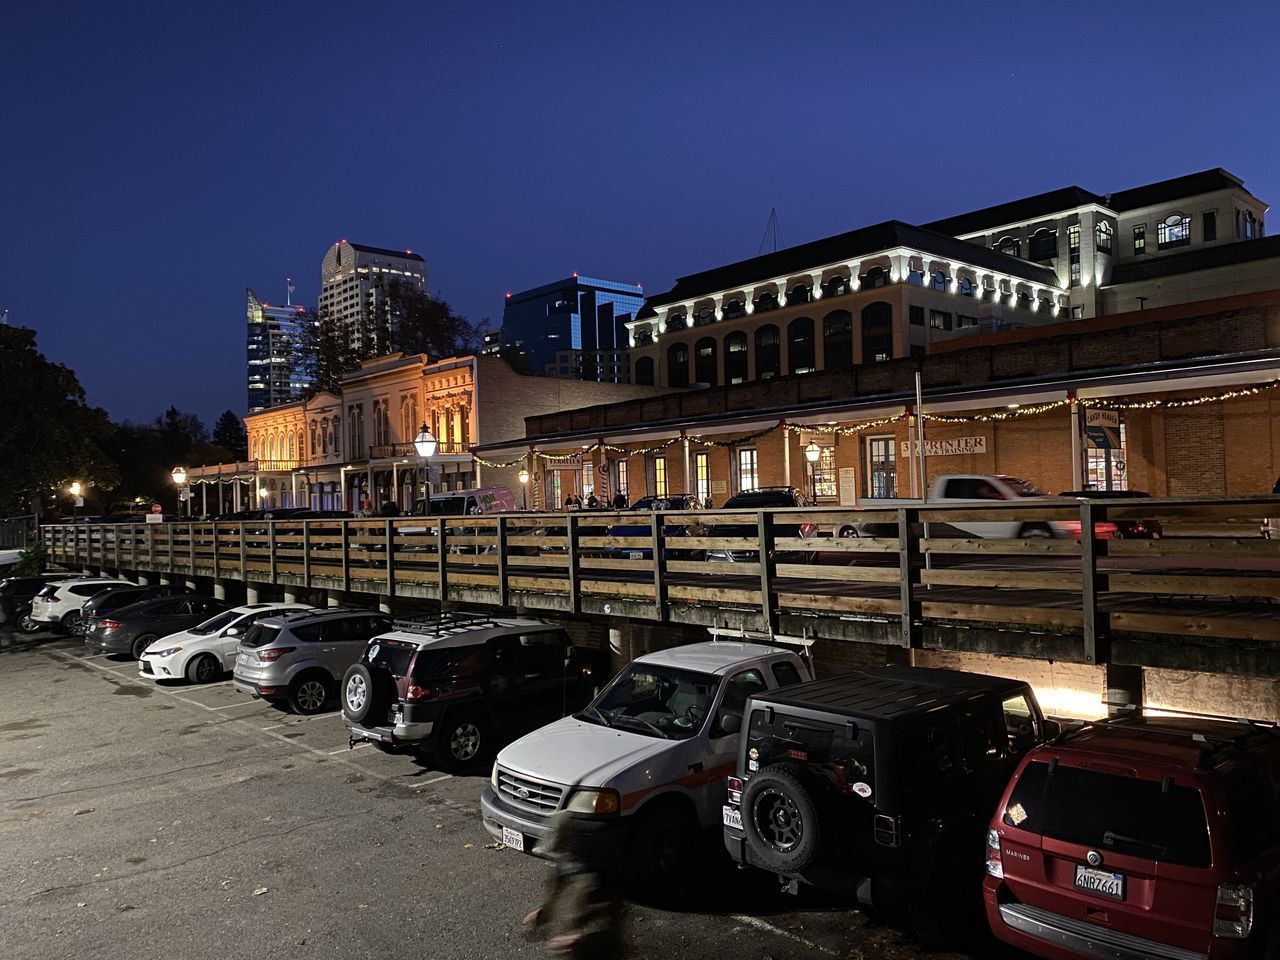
x,y
299,657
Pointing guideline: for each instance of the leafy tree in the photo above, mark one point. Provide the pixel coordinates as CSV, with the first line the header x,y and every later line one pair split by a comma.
x,y
420,323
322,352
229,434
49,435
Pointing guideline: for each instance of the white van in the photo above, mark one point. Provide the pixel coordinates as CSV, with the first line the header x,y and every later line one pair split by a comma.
x,y
644,765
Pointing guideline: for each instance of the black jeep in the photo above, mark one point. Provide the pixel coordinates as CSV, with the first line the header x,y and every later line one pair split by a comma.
x,y
879,785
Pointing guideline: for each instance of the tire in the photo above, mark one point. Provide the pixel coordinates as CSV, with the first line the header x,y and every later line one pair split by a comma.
x,y
204,669
141,644
69,621
1036,531
659,848
363,693
847,533
27,624
308,694
781,820
462,741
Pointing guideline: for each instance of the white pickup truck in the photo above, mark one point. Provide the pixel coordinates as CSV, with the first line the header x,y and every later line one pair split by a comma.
x,y
644,765
978,489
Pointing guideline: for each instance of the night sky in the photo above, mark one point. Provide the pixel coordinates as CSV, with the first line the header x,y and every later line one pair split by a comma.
x,y
157,158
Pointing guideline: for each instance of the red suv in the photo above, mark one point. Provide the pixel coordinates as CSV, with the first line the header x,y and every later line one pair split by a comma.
x,y
1141,837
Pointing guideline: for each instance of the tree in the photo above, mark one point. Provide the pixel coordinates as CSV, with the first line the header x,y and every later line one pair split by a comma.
x,y
420,323
49,435
321,352
229,434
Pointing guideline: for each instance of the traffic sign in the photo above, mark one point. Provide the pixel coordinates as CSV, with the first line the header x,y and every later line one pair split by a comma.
x,y
156,508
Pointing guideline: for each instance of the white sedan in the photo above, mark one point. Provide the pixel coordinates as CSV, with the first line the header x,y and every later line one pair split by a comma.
x,y
205,652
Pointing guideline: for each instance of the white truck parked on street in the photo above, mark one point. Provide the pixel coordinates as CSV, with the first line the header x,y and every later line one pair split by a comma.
x,y
644,765
978,489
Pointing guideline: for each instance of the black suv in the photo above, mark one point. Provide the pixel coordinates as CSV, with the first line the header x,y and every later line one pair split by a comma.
x,y
457,685
16,594
879,784
766,498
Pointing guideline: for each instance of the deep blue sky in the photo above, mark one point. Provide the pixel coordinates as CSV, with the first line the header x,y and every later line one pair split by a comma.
x,y
156,158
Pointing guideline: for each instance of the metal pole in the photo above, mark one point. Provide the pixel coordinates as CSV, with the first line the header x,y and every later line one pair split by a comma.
x,y
924,476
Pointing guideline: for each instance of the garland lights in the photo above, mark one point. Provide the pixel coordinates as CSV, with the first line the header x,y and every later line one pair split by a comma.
x,y
996,416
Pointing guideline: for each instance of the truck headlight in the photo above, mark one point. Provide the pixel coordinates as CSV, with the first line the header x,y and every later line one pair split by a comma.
x,y
598,802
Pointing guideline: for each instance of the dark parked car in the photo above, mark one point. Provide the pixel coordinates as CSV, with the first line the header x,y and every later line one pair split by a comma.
x,y
16,594
766,498
879,784
459,686
679,527
1127,529
133,628
117,598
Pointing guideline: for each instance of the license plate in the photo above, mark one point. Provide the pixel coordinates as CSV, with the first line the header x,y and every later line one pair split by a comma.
x,y
732,817
635,555
513,839
1102,882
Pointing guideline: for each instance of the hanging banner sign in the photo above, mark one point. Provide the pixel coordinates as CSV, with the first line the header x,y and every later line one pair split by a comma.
x,y
1102,429
956,446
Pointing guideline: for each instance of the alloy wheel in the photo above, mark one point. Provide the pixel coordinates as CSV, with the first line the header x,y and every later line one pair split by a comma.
x,y
206,669
464,744
311,695
356,694
779,820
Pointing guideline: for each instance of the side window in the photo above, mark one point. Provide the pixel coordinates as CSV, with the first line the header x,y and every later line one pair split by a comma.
x,y
982,736
736,692
931,750
1253,817
166,609
503,652
308,633
785,673
544,651
1019,722
185,607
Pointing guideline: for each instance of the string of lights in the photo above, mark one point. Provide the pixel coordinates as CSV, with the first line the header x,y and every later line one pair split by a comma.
x,y
1200,399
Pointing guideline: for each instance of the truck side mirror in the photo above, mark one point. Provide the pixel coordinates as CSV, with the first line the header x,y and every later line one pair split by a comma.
x,y
730,723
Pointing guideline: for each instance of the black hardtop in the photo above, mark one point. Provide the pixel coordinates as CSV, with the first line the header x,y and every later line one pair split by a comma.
x,y
890,692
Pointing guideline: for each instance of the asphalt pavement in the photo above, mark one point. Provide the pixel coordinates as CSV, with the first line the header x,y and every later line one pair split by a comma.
x,y
141,820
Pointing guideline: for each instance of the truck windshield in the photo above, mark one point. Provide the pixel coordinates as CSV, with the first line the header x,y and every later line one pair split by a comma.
x,y
1023,488
655,701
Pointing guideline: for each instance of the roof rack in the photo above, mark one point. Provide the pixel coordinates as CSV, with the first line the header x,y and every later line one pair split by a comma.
x,y
435,625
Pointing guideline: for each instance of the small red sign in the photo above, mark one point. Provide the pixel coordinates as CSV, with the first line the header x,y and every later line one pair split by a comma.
x,y
156,508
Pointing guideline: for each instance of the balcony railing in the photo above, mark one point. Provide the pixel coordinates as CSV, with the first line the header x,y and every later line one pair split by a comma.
x,y
388,451
1202,594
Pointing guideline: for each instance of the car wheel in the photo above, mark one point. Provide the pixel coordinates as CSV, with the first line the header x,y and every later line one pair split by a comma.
x,y
659,847
363,696
70,621
780,819
203,669
462,742
1036,531
140,645
308,694
847,533
28,624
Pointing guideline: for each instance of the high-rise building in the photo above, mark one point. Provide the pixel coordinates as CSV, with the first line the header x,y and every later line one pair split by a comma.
x,y
355,281
273,376
574,328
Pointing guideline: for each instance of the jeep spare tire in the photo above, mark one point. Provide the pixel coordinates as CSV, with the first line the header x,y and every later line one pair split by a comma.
x,y
780,819
361,694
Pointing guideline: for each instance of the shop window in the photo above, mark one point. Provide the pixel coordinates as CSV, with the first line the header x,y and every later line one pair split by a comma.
x,y
881,467
748,470
702,477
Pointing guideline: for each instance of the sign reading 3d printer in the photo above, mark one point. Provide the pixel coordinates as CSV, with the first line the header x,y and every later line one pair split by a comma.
x,y
953,447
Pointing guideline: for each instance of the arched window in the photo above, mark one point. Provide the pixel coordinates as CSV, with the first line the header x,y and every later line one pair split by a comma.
x,y
1173,231
302,443
735,358
678,365
324,436
732,309
938,280
838,286
1044,244
800,347
1008,245
768,355
875,277
644,371
1103,233
965,286
271,448
314,438
704,361
677,322
837,340
253,448
464,425
293,447
766,302
800,293
1024,300
877,332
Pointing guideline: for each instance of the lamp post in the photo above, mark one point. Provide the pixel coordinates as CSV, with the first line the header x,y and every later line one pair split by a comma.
x,y
523,477
425,445
74,490
179,475
262,495
811,453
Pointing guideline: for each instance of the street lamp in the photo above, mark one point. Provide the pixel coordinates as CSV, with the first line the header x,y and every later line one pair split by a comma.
x,y
811,453
179,475
74,490
262,495
523,477
426,446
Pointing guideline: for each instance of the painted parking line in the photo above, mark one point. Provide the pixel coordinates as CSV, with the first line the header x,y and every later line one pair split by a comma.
x,y
767,927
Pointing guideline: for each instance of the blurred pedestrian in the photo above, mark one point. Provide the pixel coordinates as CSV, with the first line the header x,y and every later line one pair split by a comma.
x,y
593,503
620,502
582,909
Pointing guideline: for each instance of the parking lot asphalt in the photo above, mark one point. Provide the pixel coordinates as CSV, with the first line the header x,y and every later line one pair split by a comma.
x,y
142,820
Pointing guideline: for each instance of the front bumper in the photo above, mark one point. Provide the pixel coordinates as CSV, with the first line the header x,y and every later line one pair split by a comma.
x,y
611,832
160,668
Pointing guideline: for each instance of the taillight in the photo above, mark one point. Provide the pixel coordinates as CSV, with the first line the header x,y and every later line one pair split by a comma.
x,y
416,692
1233,913
808,529
272,654
1104,530
735,789
995,863
887,830
110,624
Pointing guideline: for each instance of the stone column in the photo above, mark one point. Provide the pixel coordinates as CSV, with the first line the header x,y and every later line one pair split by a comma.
x,y
250,593
1124,689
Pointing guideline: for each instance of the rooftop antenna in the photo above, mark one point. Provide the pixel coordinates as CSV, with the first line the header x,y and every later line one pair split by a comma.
x,y
772,234
288,297
4,317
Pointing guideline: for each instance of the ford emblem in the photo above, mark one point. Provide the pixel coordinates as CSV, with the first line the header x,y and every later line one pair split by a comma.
x,y
1094,858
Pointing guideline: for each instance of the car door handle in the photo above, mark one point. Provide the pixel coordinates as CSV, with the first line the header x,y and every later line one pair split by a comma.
x,y
328,649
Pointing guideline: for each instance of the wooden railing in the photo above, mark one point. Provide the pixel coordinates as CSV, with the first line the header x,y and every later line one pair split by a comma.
x,y
913,577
